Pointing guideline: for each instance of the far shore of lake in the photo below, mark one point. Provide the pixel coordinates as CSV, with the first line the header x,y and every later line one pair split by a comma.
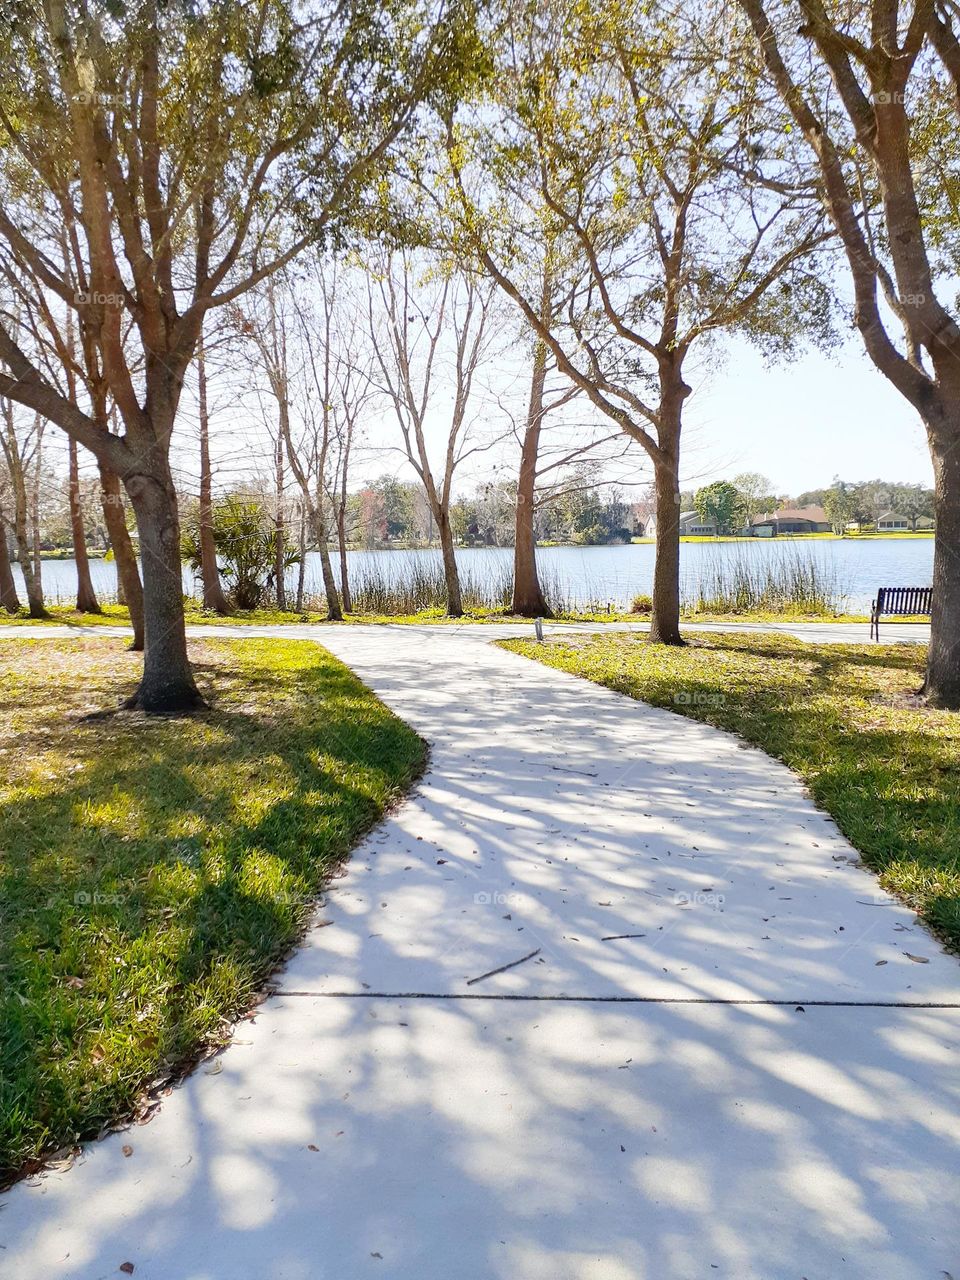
x,y
97,553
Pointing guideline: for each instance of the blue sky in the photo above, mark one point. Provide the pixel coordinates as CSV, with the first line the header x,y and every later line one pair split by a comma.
x,y
800,423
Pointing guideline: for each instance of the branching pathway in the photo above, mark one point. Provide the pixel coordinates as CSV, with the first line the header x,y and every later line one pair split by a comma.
x,y
606,999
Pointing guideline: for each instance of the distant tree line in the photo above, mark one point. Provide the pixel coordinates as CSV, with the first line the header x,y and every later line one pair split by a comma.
x,y
864,502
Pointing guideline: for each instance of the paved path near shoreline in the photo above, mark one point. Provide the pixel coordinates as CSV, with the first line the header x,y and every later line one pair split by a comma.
x,y
721,1050
814,632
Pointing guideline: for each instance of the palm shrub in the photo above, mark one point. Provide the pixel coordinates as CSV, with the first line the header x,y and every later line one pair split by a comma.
x,y
245,539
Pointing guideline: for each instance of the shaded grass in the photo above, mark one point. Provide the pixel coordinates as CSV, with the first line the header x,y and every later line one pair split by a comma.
x,y
842,717
153,872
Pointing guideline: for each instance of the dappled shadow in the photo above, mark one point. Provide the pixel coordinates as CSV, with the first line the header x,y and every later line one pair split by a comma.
x,y
511,1139
887,775
148,891
426,1140
557,813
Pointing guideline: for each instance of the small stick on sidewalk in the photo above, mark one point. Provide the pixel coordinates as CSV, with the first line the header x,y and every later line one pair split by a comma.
x,y
503,968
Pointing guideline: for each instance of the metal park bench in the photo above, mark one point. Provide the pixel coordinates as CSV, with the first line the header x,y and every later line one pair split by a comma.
x,y
899,602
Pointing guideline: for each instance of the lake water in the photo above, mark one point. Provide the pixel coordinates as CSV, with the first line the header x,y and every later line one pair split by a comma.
x,y
614,575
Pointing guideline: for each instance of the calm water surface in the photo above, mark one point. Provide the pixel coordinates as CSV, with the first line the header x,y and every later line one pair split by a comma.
x,y
601,575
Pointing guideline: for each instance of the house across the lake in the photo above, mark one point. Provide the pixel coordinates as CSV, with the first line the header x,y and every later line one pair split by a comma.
x,y
891,522
692,526
810,519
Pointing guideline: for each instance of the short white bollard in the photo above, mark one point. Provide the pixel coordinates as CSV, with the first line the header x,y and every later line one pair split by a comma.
x,y
538,628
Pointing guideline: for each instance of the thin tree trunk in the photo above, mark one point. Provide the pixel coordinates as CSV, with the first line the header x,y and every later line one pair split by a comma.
x,y
528,597
334,611
9,599
25,550
28,566
942,684
35,513
214,598
450,572
87,601
345,597
167,685
279,558
129,586
302,570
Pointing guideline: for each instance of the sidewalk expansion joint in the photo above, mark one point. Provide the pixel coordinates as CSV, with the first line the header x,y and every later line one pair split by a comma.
x,y
565,999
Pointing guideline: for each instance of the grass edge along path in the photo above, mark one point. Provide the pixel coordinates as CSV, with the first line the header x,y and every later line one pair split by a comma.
x,y
154,872
842,717
118,616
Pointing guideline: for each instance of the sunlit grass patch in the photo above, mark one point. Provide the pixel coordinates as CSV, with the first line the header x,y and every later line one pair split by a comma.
x,y
153,872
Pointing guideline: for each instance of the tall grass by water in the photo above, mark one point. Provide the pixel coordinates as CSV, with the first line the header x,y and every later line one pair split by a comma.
x,y
793,582
422,588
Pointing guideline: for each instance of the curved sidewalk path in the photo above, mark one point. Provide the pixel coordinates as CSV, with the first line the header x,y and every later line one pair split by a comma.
x,y
730,1055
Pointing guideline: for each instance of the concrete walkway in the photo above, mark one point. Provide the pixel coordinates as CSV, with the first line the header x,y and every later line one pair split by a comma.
x,y
727,1052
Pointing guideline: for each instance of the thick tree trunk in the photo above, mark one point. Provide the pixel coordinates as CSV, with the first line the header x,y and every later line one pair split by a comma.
x,y
87,601
9,599
450,572
129,586
942,684
167,686
214,598
665,617
528,597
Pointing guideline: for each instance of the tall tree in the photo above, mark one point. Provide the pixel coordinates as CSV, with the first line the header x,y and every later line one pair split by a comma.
x,y
213,593
9,599
294,348
529,600
352,384
22,445
875,91
431,333
757,494
87,601
722,503
840,505
161,125
628,123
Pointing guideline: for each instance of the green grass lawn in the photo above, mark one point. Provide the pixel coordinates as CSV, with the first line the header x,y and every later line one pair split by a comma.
x,y
154,871
841,716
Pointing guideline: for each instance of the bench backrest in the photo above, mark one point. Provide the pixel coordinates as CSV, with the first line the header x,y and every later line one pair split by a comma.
x,y
904,601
